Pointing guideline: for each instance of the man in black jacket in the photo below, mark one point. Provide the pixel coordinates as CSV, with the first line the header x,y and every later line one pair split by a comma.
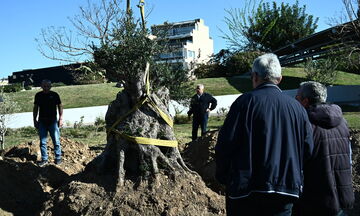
x,y
200,106
261,148
327,175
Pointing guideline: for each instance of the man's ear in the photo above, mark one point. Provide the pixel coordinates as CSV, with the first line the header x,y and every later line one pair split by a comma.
x,y
278,80
305,102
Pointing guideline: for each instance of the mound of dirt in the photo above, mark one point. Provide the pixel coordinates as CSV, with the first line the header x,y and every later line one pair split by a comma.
x,y
24,186
75,155
355,146
200,155
69,189
180,194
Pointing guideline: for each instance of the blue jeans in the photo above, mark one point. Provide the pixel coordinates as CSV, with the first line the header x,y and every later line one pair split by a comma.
x,y
201,121
54,132
260,204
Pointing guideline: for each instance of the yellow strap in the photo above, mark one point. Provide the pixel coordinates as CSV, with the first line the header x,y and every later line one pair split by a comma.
x,y
139,104
148,141
147,78
163,115
141,5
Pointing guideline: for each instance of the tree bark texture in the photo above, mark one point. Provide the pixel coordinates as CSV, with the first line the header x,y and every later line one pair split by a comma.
x,y
131,160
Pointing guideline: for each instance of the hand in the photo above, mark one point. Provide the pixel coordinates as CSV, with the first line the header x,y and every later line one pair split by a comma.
x,y
36,124
60,123
207,110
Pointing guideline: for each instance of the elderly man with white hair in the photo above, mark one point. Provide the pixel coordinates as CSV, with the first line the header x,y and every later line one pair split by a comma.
x,y
262,146
327,175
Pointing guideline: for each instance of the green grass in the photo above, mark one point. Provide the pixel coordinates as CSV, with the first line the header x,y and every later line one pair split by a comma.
x,y
183,131
103,94
292,77
353,119
94,138
72,96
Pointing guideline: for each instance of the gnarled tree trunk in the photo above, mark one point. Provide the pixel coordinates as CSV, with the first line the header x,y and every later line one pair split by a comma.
x,y
127,159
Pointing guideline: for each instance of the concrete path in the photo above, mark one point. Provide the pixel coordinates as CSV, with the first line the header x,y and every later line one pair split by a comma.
x,y
336,94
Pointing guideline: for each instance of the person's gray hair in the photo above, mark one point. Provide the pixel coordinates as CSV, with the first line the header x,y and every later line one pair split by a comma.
x,y
314,91
267,67
200,86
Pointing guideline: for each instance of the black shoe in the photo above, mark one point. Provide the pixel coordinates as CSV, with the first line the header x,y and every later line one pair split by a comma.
x,y
42,163
58,161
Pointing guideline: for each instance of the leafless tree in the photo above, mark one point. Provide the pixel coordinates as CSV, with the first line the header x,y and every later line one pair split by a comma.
x,y
93,26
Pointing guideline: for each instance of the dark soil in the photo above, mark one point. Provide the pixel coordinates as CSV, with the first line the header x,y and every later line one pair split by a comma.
x,y
69,189
200,157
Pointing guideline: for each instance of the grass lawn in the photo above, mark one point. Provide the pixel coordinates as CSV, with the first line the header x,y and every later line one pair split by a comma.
x,y
292,77
94,138
72,96
103,94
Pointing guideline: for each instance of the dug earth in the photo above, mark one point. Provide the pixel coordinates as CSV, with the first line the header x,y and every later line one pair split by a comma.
x,y
68,189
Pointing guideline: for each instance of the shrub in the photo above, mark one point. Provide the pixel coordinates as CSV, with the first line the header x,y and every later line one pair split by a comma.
x,y
88,74
99,124
230,64
16,87
209,71
322,70
7,106
240,62
27,87
58,84
349,63
181,119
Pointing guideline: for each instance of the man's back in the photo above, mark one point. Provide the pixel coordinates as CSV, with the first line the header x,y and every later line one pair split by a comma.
x,y
328,183
268,132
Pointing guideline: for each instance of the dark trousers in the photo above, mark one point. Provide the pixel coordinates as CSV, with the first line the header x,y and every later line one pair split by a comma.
x,y
260,204
301,209
199,120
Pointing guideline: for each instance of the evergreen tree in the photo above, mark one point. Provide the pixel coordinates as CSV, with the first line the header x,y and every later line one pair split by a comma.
x,y
268,26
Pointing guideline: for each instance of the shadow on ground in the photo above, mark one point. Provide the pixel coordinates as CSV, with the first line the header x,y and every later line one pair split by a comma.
x,y
24,187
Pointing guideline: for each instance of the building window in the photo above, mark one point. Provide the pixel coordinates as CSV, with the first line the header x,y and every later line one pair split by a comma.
x,y
190,54
183,30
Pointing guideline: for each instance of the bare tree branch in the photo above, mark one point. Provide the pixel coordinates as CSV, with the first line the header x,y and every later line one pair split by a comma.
x,y
90,28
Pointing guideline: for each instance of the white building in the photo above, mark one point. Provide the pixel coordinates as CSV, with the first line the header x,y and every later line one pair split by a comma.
x,y
189,42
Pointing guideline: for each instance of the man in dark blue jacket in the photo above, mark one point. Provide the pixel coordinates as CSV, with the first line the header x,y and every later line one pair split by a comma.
x,y
262,146
200,106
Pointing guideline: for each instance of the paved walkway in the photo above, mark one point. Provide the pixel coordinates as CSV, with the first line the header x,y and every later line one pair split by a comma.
x,y
336,94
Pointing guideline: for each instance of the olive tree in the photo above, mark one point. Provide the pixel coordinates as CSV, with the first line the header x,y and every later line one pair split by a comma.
x,y
140,137
137,144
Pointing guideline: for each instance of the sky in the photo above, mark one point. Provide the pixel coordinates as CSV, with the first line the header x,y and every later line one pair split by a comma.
x,y
21,21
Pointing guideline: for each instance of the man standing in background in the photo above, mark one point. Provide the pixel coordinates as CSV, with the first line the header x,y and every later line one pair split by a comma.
x,y
200,106
47,103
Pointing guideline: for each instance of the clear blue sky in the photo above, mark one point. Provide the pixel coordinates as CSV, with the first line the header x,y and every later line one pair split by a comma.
x,y
21,22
